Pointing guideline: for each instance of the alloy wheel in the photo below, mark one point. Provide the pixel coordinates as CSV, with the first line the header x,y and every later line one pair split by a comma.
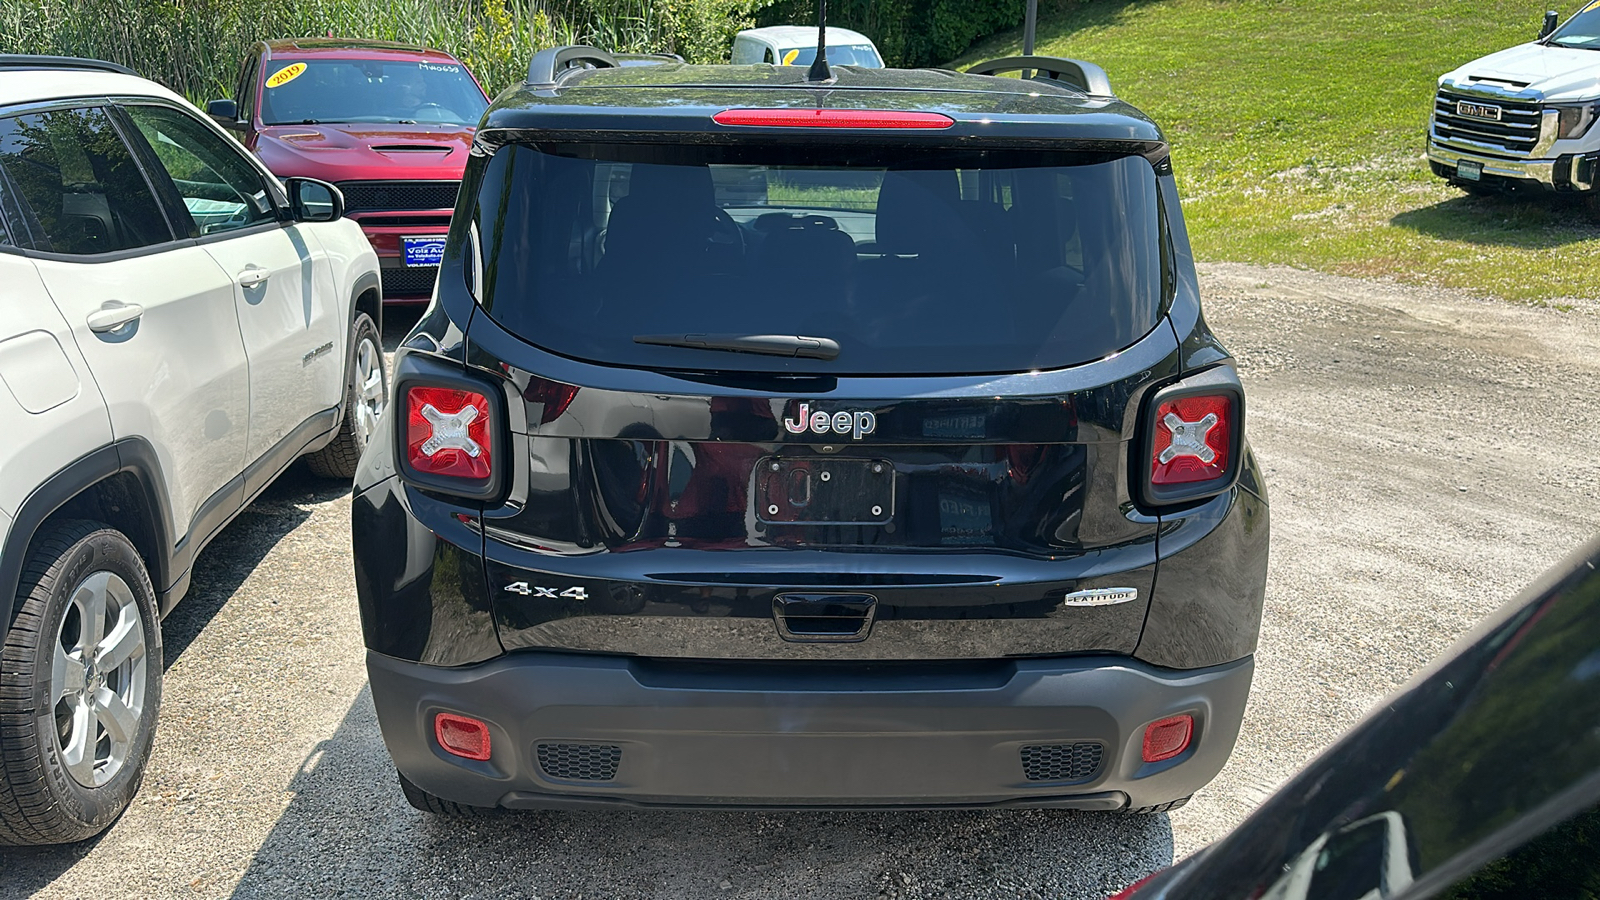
x,y
98,678
370,391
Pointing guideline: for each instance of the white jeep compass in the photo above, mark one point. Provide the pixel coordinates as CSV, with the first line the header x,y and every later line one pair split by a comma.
x,y
176,327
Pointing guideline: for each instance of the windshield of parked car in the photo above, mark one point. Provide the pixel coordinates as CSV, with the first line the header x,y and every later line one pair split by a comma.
x,y
302,92
1582,30
863,55
913,261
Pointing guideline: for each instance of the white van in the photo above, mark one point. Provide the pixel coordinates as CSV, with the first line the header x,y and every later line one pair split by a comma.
x,y
796,45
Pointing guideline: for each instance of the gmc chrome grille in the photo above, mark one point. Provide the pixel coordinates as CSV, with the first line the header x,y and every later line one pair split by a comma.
x,y
386,196
1514,134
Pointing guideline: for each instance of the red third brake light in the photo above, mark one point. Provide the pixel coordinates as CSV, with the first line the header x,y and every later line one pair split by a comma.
x,y
461,736
447,432
1193,437
832,118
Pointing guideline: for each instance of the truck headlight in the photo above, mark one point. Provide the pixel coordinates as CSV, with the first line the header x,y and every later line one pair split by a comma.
x,y
1575,121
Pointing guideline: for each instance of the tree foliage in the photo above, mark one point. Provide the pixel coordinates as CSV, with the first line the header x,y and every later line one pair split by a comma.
x,y
910,33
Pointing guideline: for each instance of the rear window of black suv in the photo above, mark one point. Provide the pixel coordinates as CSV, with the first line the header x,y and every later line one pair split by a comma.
x,y
913,261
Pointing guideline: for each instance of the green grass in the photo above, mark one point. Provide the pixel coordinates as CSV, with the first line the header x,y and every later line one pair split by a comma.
x,y
1298,131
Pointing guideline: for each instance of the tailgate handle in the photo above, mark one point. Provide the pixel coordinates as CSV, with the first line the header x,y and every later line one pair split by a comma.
x,y
824,617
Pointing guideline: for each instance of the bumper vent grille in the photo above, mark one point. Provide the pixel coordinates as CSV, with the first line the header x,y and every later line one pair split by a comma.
x,y
1515,134
1062,762
385,196
580,762
409,281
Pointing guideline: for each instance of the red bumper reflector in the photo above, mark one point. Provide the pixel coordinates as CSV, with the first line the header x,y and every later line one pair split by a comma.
x,y
461,736
1166,738
832,118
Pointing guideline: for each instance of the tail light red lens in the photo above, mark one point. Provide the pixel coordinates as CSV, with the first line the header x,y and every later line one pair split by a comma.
x,y
1193,439
447,433
555,396
461,736
833,118
1166,738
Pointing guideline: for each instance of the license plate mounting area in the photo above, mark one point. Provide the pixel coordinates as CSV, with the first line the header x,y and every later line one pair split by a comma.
x,y
423,251
812,491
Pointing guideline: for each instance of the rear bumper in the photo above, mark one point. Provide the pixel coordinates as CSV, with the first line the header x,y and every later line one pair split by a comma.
x,y
730,735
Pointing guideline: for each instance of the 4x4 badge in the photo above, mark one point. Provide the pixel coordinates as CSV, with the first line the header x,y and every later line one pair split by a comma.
x,y
548,593
855,424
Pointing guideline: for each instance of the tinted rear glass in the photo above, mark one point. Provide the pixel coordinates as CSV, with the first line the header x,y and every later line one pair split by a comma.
x,y
914,262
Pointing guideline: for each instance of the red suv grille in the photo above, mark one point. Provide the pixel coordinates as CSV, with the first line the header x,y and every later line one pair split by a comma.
x,y
385,196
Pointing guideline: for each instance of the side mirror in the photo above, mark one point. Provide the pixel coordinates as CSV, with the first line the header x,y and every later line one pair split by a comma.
x,y
314,201
225,112
1551,20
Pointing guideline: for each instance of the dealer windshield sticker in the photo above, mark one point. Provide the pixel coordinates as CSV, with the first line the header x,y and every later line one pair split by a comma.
x,y
286,74
440,67
789,58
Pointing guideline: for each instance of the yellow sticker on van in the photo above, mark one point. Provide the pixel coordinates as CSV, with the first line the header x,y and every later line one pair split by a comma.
x,y
286,74
788,58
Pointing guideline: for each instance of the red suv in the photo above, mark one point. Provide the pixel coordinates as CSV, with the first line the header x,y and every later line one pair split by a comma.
x,y
390,124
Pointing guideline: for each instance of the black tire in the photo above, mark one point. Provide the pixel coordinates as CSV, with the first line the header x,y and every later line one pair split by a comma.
x,y
339,458
1169,806
41,801
428,803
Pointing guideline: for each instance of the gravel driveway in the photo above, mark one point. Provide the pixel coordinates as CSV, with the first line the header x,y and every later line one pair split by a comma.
x,y
1427,454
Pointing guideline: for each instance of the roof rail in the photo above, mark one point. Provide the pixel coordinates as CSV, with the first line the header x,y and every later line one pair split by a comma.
x,y
1085,76
547,66
27,61
646,59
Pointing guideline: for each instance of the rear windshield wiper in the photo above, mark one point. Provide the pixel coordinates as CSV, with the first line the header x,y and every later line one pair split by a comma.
x,y
770,344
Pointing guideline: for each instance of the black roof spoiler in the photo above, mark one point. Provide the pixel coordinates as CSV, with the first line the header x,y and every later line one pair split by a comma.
x,y
25,61
547,66
1075,73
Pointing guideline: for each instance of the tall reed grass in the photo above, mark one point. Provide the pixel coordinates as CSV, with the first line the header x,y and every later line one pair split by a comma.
x,y
195,46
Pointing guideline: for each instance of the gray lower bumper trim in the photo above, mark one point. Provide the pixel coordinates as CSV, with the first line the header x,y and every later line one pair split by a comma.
x,y
738,735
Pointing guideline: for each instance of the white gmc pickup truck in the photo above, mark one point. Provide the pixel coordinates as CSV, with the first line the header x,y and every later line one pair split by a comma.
x,y
1524,117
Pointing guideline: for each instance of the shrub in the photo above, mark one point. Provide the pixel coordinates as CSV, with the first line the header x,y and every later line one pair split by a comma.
x,y
195,46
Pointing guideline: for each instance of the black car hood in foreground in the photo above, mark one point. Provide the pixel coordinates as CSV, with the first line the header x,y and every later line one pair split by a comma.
x,y
1491,747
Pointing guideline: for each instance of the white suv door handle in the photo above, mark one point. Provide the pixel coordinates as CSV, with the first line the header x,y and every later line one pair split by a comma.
x,y
252,276
113,315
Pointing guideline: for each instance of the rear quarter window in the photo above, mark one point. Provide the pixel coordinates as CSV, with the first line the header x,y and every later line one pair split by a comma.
x,y
915,262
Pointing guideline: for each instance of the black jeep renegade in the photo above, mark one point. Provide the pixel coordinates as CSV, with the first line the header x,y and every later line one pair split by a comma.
x,y
785,441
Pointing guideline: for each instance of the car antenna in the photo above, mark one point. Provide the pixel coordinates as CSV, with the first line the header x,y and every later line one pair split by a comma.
x,y
819,66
